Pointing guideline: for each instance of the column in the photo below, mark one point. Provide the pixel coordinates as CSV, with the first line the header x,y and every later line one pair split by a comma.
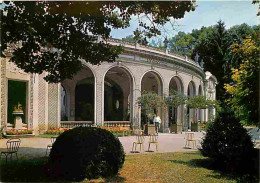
x,y
99,100
53,106
166,113
35,88
136,107
42,103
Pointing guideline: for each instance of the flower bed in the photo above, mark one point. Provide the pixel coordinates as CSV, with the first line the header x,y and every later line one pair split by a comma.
x,y
116,130
18,132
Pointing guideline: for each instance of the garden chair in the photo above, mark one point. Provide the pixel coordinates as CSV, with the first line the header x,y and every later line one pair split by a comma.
x,y
139,141
12,147
49,146
153,139
134,128
190,139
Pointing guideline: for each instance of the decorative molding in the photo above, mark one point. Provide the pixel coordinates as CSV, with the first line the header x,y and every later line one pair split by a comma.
x,y
13,68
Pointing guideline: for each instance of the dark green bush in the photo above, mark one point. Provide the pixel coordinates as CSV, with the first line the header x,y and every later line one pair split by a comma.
x,y
228,143
85,152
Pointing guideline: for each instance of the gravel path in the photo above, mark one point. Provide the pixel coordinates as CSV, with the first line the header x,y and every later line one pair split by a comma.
x,y
36,147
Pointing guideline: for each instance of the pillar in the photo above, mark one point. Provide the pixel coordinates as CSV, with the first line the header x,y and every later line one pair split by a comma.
x,y
99,100
53,106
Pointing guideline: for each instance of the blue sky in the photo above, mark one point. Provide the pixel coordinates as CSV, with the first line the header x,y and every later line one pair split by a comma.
x,y
207,13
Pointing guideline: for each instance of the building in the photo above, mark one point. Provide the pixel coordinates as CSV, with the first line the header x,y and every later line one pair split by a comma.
x,y
106,94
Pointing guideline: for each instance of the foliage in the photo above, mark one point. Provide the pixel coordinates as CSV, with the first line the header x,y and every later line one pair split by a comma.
x,y
228,143
175,99
200,102
86,152
57,36
180,42
150,101
213,45
244,88
18,132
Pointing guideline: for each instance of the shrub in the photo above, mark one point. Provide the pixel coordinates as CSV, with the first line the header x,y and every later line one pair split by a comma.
x,y
228,143
85,152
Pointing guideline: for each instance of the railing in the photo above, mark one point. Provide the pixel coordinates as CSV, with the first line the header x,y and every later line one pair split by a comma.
x,y
117,123
73,124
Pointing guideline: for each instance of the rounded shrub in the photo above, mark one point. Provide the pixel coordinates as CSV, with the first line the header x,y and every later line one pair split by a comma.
x,y
85,152
228,143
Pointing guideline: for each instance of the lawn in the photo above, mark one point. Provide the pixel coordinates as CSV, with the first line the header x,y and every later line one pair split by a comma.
x,y
166,167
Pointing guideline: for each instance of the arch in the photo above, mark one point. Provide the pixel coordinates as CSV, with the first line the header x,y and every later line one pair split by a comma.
x,y
178,83
84,94
200,90
118,94
155,76
64,103
131,75
191,112
191,89
175,114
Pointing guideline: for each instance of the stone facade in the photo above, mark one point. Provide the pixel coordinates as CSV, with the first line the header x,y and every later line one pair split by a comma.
x,y
135,64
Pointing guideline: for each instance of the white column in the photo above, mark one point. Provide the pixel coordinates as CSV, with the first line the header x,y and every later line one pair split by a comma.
x,y
99,100
136,107
35,103
53,105
166,113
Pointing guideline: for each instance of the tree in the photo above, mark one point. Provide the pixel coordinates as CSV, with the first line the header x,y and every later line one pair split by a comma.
x,y
175,99
244,88
200,102
56,36
215,52
150,102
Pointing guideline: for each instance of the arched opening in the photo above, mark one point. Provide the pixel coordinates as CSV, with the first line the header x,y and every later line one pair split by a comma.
x,y
175,115
191,112
118,95
65,104
84,95
151,82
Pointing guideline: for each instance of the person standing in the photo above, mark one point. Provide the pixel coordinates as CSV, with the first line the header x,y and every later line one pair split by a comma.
x,y
157,122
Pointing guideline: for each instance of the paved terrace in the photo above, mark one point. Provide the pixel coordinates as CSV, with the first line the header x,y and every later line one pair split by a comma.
x,y
36,146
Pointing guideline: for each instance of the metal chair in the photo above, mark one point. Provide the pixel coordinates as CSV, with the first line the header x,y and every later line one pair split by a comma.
x,y
49,146
190,138
153,139
12,147
139,141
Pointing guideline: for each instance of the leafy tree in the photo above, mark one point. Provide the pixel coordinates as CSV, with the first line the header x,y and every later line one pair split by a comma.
x,y
175,99
150,101
200,102
55,36
215,52
180,42
244,88
129,38
228,144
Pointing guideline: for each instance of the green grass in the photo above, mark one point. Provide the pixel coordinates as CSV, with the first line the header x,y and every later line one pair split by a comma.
x,y
166,167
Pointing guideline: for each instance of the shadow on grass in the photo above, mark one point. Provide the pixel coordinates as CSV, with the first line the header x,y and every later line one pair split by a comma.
x,y
32,168
25,169
218,168
117,179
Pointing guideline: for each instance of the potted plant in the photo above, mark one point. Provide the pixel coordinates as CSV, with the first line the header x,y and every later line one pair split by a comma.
x,y
175,100
198,102
150,102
